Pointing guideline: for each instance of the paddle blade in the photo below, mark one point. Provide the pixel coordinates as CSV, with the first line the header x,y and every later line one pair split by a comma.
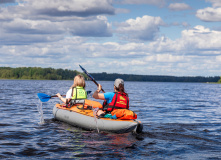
x,y
87,73
88,92
43,97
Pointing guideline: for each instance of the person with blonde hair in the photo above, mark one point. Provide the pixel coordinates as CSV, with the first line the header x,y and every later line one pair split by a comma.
x,y
76,91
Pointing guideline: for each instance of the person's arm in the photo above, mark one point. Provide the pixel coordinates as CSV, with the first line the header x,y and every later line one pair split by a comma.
x,y
65,100
98,95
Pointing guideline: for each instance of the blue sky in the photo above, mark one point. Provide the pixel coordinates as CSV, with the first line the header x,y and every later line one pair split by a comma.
x,y
144,37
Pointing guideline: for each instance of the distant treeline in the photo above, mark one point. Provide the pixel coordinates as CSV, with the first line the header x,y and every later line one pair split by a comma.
x,y
37,73
65,74
152,78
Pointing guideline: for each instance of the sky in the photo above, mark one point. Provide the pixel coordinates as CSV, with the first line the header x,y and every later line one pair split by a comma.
x,y
141,37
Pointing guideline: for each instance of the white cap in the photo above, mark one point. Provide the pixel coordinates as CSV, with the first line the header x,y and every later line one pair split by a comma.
x,y
118,81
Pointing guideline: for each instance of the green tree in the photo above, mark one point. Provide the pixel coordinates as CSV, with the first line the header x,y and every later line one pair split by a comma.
x,y
219,81
65,74
37,73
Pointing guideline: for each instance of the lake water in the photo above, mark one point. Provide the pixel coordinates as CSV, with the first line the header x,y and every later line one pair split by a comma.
x,y
181,121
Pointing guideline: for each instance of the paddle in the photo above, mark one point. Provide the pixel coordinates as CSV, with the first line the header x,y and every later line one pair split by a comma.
x,y
44,97
90,77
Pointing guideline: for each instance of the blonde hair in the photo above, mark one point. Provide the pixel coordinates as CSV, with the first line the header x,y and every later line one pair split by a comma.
x,y
79,81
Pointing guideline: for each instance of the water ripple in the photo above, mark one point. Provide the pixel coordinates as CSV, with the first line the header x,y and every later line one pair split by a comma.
x,y
181,121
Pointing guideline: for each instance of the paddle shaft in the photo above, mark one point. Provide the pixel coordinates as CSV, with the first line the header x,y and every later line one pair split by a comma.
x,y
57,96
91,77
88,92
98,85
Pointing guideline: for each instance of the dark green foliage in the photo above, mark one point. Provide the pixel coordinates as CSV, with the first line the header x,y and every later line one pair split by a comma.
x,y
152,78
219,80
61,74
37,73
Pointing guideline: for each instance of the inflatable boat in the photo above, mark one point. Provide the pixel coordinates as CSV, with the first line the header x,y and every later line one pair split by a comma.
x,y
85,117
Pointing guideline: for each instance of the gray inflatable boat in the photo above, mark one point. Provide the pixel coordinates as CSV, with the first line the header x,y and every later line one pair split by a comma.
x,y
84,118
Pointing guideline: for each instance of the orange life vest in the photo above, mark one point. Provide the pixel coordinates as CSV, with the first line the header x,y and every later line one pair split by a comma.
x,y
119,101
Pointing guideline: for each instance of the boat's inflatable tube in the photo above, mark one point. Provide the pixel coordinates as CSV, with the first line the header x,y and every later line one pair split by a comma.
x,y
84,118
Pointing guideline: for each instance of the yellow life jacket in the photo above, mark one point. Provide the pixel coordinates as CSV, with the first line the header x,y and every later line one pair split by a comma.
x,y
78,93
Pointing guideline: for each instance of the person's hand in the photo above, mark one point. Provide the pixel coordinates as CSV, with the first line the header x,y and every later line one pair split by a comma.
x,y
99,87
98,95
59,95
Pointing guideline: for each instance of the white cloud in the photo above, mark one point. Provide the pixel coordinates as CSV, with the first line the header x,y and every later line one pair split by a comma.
x,y
159,3
26,26
179,6
209,14
89,28
202,38
218,58
58,34
182,24
215,3
44,21
141,28
80,8
196,41
7,1
164,57
168,58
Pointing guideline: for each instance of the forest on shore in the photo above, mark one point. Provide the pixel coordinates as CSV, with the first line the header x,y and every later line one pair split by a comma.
x,y
38,73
